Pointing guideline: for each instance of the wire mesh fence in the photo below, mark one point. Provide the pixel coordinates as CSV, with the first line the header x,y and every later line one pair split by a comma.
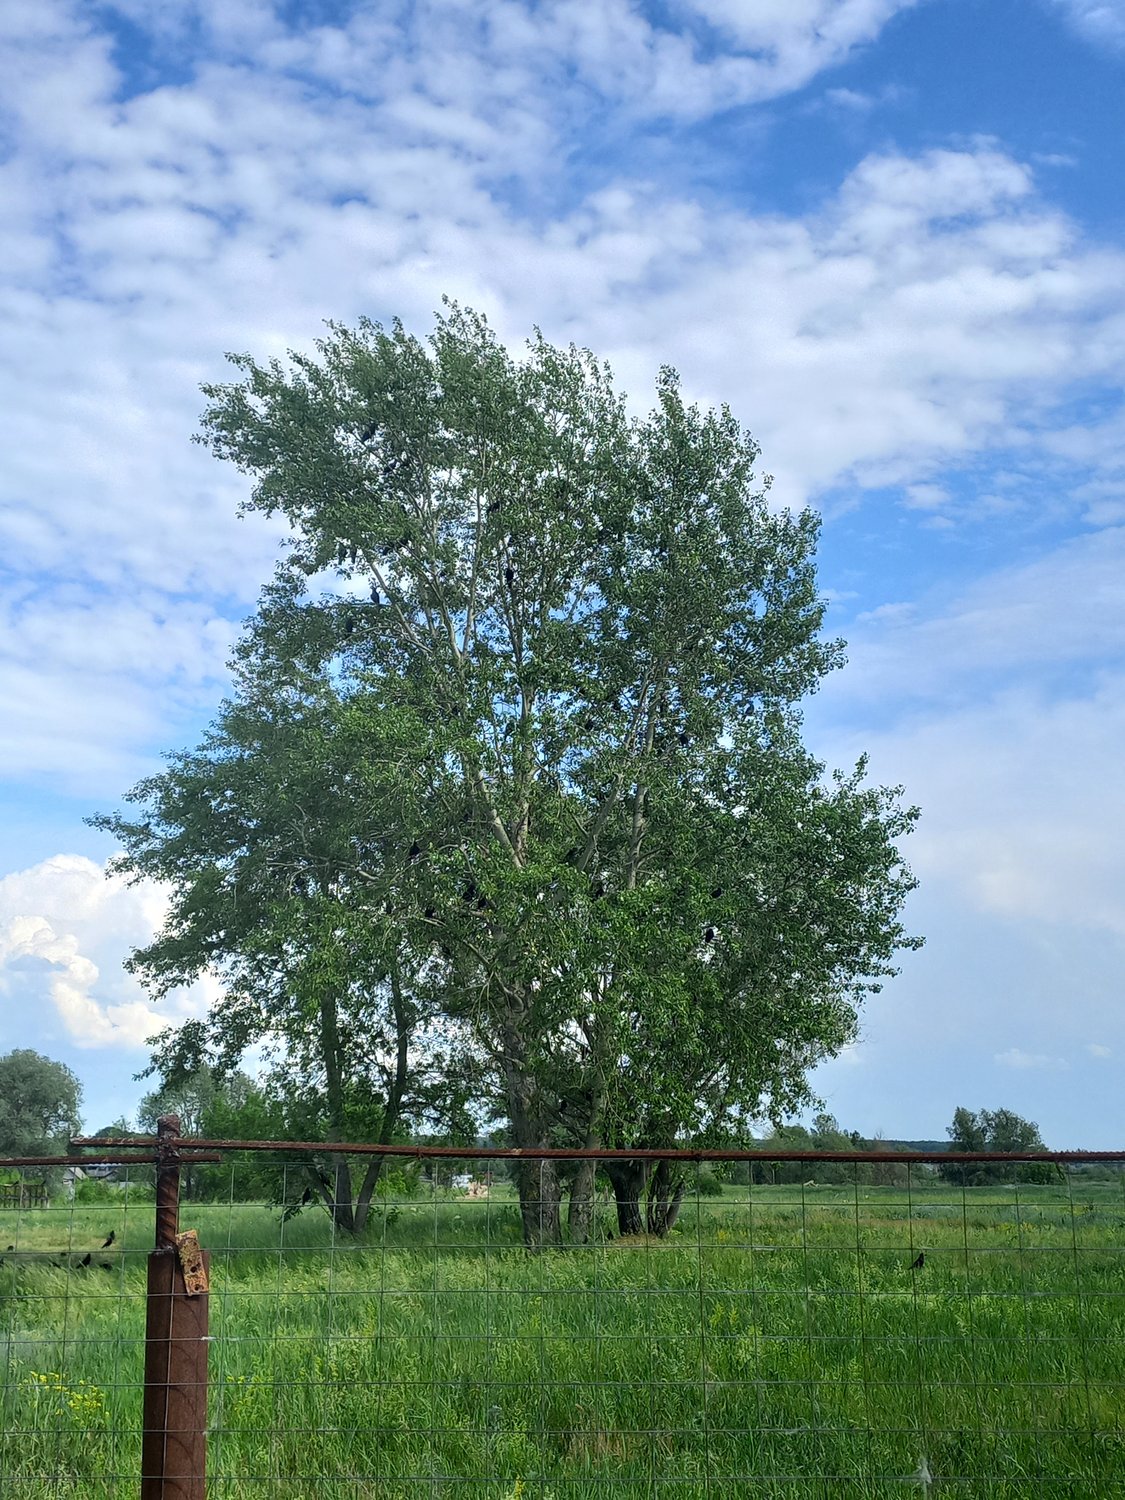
x,y
831,1326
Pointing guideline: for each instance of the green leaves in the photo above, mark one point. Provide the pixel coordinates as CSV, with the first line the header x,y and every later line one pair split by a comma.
x,y
518,721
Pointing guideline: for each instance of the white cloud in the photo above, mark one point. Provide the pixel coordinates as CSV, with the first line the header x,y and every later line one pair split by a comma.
x,y
1016,1057
1002,711
932,308
1063,610
64,929
1021,815
1099,20
1096,1049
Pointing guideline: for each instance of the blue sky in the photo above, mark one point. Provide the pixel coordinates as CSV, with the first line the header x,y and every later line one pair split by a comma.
x,y
890,233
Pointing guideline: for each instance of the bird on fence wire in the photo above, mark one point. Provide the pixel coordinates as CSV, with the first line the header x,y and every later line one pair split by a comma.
x,y
109,1239
919,1261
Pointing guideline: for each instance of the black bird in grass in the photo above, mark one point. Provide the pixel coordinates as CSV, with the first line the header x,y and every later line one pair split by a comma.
x,y
105,1265
919,1261
109,1239
85,1261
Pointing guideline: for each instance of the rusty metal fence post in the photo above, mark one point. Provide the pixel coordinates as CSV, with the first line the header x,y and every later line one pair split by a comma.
x,y
174,1445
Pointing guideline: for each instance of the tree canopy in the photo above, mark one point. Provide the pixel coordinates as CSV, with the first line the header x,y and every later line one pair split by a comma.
x,y
39,1101
514,766
995,1130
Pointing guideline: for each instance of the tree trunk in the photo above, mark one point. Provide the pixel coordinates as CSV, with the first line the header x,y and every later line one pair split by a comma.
x,y
393,1106
342,1195
539,1186
629,1179
580,1210
540,1203
341,1189
665,1196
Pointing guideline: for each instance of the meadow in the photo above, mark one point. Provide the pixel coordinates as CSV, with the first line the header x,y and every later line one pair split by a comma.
x,y
778,1343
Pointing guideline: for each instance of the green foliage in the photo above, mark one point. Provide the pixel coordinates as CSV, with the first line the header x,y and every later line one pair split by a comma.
x,y
510,814
39,1100
995,1130
708,1183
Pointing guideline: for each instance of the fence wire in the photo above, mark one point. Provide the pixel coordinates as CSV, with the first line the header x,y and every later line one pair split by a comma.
x,y
816,1338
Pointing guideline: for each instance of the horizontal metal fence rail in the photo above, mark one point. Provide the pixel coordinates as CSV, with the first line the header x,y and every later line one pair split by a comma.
x,y
578,1153
859,1327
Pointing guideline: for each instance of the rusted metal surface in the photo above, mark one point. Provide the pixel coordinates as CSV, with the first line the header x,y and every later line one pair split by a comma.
x,y
112,1159
174,1442
551,1153
167,1182
192,1263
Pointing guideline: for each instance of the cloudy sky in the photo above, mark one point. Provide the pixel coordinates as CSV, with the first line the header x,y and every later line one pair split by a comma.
x,y
890,233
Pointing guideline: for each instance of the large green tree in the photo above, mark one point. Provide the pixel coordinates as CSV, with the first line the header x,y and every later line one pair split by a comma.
x,y
571,647
39,1101
995,1130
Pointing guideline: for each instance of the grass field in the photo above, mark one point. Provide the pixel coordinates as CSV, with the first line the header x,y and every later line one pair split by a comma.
x,y
777,1344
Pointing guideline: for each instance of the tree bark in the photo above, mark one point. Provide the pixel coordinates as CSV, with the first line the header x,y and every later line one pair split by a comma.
x,y
580,1210
665,1196
540,1204
341,1189
629,1179
539,1186
393,1106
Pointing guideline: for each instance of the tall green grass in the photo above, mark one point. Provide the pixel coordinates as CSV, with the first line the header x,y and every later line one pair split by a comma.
x,y
777,1344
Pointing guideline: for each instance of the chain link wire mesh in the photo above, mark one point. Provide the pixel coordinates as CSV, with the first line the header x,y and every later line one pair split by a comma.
x,y
860,1331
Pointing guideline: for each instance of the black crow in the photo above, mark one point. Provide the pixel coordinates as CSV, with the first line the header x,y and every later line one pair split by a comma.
x,y
109,1239
709,935
716,892
415,849
85,1261
509,576
919,1261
